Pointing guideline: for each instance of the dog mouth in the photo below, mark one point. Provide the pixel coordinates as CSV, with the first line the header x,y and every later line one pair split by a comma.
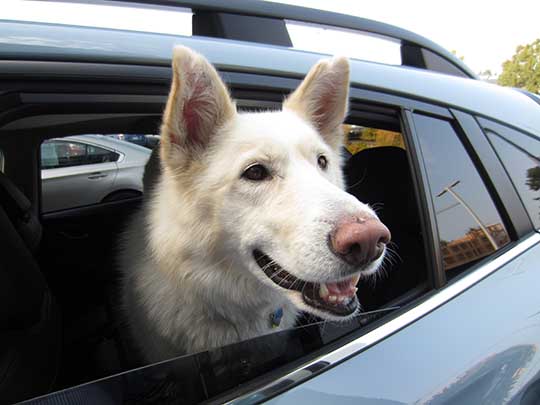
x,y
338,298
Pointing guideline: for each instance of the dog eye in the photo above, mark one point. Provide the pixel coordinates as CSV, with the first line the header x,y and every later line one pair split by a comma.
x,y
322,162
256,173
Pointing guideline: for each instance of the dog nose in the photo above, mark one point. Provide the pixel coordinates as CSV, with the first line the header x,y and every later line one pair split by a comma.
x,y
360,241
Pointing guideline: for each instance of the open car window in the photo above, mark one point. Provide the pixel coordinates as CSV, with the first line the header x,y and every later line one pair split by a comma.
x,y
88,170
377,172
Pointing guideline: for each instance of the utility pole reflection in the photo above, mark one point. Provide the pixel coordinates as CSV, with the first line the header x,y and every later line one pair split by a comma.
x,y
469,210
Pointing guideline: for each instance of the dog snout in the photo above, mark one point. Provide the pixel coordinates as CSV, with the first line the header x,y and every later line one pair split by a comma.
x,y
359,241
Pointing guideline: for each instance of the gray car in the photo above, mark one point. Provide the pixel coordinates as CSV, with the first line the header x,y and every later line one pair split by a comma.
x,y
89,169
449,162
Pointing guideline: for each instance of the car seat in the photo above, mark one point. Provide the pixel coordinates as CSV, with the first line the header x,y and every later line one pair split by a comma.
x,y
381,178
30,334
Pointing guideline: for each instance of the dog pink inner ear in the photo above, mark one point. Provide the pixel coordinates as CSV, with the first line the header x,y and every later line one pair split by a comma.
x,y
197,113
324,114
192,120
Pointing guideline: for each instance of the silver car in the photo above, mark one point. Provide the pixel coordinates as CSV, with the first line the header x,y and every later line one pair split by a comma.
x,y
450,163
89,169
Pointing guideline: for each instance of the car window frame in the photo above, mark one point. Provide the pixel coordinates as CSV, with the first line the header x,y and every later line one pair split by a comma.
x,y
497,179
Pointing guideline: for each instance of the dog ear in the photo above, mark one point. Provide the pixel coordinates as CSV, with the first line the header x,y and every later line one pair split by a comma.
x,y
322,98
198,105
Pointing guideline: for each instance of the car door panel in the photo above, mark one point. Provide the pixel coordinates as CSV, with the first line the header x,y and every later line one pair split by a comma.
x,y
480,347
77,186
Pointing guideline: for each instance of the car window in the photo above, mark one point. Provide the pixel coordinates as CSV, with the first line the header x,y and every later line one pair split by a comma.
x,y
95,154
57,153
469,224
358,138
377,173
520,155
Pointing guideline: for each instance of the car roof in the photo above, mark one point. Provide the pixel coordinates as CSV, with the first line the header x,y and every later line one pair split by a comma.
x,y
84,44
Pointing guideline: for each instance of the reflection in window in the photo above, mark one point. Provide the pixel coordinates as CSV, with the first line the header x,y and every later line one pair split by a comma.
x,y
520,154
468,222
358,138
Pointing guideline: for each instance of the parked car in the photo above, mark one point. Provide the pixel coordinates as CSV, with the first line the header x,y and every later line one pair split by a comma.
x,y
449,162
148,141
89,169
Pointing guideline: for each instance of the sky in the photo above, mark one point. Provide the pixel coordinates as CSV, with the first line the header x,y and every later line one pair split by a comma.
x,y
485,33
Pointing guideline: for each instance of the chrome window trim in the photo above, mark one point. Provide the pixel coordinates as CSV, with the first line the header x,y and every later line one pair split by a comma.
x,y
329,360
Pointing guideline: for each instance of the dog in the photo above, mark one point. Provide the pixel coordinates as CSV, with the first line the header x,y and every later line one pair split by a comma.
x,y
245,223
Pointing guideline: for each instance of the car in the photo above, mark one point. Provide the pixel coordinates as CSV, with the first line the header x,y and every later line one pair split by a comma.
x,y
82,170
449,162
149,141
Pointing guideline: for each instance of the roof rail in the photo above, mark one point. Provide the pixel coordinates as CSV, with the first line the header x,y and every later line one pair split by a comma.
x,y
236,19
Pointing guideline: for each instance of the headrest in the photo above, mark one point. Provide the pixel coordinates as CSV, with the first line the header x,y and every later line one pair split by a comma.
x,y
382,175
19,210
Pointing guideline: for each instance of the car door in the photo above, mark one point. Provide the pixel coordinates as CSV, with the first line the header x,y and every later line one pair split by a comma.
x,y
475,341
75,173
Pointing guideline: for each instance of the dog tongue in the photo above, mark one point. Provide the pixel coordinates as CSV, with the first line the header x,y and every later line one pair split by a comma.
x,y
338,292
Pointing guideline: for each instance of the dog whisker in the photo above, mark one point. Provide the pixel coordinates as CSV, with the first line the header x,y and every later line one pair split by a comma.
x,y
359,181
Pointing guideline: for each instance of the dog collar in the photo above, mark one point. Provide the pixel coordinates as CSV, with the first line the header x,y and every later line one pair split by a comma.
x,y
275,317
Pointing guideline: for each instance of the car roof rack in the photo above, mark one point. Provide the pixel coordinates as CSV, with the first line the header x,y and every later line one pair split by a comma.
x,y
264,22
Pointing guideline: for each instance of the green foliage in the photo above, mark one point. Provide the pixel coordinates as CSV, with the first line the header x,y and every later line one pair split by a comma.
x,y
455,53
533,178
523,70
487,75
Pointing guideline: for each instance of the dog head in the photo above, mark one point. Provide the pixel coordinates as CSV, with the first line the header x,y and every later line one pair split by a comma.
x,y
267,188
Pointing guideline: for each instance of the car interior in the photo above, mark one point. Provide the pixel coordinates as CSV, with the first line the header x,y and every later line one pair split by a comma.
x,y
59,280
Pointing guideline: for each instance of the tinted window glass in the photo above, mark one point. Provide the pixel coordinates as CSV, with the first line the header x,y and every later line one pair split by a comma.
x,y
56,154
358,138
469,225
520,154
100,155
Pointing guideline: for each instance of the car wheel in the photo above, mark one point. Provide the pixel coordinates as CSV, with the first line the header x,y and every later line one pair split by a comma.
x,y
121,195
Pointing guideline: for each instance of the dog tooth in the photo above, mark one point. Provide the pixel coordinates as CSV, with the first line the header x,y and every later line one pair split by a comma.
x,y
332,298
323,291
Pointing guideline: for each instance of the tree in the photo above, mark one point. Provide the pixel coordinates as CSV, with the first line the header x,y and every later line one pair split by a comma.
x,y
487,75
523,70
533,178
456,54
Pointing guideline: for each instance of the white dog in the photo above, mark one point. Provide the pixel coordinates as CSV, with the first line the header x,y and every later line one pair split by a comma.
x,y
245,222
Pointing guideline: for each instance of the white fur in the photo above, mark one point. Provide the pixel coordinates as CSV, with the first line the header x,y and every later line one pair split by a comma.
x,y
190,280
